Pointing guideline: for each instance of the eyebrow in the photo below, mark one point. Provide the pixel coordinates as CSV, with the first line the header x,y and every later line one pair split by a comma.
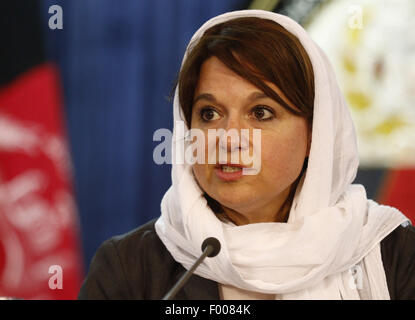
x,y
209,97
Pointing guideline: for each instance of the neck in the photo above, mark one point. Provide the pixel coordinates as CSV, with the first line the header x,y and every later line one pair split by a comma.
x,y
275,212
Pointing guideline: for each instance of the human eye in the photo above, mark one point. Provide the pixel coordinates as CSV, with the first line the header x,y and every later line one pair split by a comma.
x,y
263,113
208,114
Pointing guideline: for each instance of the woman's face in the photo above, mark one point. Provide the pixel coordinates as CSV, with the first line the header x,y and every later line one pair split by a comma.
x,y
224,100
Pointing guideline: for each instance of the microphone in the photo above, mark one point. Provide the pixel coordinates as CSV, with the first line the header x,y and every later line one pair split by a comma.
x,y
212,245
210,248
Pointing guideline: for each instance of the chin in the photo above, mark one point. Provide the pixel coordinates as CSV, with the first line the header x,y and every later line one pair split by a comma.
x,y
235,200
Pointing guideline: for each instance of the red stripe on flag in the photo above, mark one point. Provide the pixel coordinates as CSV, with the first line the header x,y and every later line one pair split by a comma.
x,y
39,248
398,191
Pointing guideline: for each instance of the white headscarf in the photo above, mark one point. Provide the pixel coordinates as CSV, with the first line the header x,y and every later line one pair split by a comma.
x,y
332,227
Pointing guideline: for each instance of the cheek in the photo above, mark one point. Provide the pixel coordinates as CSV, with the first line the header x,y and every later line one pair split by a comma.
x,y
202,169
283,154
202,174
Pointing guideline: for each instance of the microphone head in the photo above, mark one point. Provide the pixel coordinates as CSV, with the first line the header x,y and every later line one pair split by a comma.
x,y
214,243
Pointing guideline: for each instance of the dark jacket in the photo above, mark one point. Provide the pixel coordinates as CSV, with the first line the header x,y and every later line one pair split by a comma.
x,y
137,265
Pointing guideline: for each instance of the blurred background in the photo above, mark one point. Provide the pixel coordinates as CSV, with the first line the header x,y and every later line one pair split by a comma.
x,y
84,84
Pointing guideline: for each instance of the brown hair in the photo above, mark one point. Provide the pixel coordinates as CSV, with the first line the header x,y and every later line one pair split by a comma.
x,y
256,49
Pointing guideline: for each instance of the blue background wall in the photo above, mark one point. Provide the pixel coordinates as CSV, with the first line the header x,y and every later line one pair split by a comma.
x,y
119,61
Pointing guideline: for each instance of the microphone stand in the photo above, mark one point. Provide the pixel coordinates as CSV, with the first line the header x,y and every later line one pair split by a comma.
x,y
208,250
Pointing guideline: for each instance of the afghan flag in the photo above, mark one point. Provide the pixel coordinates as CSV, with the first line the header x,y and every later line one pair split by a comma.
x,y
398,190
39,248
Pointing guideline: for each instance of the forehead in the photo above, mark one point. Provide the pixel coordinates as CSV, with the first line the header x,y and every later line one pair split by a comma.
x,y
214,72
216,78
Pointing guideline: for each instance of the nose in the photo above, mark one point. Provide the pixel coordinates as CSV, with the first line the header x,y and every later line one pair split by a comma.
x,y
230,136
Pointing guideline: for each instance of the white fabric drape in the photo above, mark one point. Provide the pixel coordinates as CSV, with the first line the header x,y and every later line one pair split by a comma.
x,y
332,227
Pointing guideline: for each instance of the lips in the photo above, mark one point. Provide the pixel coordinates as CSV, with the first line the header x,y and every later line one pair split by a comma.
x,y
234,165
229,171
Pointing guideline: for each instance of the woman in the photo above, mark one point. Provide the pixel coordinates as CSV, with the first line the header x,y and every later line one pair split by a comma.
x,y
298,228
